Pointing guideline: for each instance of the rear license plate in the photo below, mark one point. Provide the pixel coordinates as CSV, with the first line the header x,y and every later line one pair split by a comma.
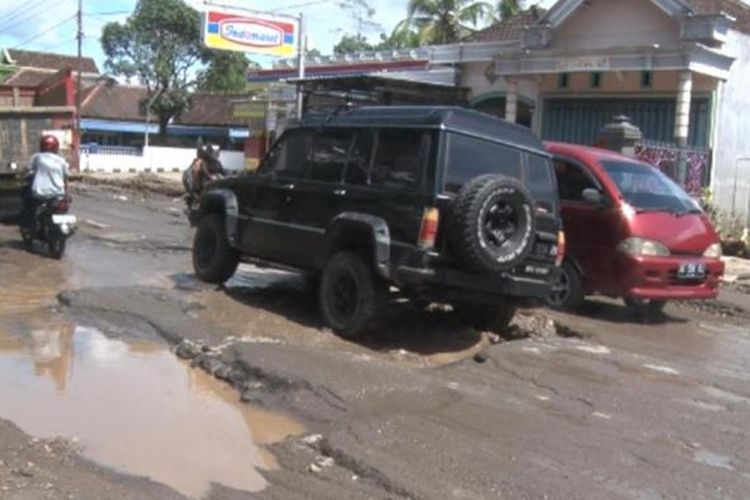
x,y
691,271
64,219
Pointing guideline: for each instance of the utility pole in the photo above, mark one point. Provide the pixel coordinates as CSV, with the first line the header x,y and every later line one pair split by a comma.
x,y
79,37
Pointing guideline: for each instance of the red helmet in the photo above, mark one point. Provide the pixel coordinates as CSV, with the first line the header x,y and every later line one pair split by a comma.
x,y
49,144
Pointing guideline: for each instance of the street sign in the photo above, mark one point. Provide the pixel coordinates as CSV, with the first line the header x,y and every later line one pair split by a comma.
x,y
252,33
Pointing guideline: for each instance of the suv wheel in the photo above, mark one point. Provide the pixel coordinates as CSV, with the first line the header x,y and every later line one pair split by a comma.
x,y
493,223
214,261
492,318
350,294
567,293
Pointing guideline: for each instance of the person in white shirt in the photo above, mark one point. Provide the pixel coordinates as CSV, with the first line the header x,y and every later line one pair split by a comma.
x,y
48,175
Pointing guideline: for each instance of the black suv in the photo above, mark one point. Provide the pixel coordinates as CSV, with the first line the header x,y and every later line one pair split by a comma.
x,y
445,204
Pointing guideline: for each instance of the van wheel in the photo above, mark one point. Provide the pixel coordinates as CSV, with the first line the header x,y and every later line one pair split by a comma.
x,y
567,294
490,318
350,294
645,308
214,261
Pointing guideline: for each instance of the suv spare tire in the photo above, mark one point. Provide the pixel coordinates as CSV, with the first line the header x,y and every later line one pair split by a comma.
x,y
493,223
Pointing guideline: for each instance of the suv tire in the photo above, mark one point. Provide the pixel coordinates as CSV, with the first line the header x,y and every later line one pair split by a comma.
x,y
350,294
493,223
214,261
491,318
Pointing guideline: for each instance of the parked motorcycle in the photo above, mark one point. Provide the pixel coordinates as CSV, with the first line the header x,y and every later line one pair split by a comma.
x,y
52,225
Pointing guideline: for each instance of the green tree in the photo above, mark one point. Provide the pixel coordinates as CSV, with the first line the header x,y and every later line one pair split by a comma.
x,y
403,36
446,21
159,45
508,8
352,43
226,71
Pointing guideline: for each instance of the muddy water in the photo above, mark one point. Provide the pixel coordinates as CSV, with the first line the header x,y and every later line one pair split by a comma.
x,y
133,407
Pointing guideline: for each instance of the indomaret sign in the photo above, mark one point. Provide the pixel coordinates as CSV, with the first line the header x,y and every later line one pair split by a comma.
x,y
252,33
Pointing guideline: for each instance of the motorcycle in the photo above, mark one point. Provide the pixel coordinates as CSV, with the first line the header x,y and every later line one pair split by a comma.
x,y
52,225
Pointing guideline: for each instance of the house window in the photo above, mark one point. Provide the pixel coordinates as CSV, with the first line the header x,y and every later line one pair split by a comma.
x,y
646,78
563,80
596,80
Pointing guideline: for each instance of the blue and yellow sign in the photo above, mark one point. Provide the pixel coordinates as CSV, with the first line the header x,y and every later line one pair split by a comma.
x,y
257,34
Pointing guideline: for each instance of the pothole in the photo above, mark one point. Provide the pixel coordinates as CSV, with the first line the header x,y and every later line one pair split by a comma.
x,y
135,408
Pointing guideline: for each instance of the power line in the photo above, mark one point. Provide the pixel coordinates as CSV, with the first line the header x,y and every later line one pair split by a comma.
x,y
111,13
20,12
300,5
48,30
28,14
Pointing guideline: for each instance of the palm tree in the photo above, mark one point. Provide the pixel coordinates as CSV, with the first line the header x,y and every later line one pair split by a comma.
x,y
446,21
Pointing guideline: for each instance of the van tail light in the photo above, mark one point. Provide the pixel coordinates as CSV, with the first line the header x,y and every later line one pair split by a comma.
x,y
428,230
560,248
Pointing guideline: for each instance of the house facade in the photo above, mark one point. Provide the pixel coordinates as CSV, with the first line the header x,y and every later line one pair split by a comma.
x,y
677,68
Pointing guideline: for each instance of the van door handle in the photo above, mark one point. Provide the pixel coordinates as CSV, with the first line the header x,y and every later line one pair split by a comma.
x,y
339,192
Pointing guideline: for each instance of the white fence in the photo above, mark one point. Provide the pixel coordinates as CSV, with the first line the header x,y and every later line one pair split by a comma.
x,y
111,159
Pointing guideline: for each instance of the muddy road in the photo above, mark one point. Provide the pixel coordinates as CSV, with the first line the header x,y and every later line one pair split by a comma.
x,y
121,376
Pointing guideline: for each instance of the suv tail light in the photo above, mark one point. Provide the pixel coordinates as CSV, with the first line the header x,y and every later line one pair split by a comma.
x,y
560,248
428,230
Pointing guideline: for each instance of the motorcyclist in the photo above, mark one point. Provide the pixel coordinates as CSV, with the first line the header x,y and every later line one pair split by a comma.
x,y
47,178
205,168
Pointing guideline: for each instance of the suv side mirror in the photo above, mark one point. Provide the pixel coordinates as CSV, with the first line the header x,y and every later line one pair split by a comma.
x,y
12,166
592,196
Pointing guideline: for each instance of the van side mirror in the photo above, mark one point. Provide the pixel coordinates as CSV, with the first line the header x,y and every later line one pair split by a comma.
x,y
592,196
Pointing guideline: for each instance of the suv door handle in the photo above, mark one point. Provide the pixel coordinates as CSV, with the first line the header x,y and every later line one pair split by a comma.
x,y
288,187
339,192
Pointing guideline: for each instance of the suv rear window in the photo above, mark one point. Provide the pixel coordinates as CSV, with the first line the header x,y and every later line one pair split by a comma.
x,y
469,158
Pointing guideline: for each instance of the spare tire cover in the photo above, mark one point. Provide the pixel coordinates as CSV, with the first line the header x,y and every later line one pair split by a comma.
x,y
492,223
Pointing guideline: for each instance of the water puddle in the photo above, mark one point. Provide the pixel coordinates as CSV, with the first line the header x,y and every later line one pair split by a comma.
x,y
133,407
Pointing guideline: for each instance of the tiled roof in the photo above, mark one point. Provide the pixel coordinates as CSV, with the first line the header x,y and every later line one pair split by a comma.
x,y
212,109
508,29
113,102
28,78
51,61
735,8
123,103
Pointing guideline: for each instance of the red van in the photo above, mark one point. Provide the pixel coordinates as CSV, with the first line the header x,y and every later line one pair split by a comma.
x,y
631,232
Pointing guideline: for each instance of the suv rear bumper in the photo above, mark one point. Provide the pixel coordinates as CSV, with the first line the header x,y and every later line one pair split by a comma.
x,y
453,284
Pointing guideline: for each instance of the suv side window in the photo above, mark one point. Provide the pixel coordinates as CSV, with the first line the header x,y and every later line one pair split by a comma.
x,y
400,155
469,158
287,158
358,169
572,180
328,155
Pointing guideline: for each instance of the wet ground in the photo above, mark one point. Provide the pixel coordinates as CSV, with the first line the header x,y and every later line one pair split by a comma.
x,y
123,377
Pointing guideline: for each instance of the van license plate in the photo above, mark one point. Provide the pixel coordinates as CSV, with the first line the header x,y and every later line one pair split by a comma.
x,y
691,271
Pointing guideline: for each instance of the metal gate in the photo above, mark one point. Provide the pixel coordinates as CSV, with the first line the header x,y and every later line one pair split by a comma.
x,y
578,120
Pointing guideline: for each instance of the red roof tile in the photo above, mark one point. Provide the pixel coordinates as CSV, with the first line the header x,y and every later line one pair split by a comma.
x,y
507,29
47,60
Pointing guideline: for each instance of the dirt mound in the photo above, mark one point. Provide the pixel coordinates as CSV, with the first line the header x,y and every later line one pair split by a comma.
x,y
143,182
